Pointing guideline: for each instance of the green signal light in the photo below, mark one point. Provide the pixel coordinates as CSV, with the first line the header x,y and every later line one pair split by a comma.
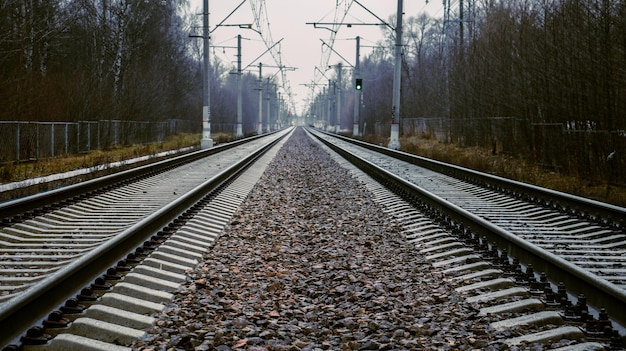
x,y
359,84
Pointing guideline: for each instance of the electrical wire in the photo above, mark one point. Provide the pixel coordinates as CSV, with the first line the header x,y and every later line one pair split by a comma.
x,y
261,19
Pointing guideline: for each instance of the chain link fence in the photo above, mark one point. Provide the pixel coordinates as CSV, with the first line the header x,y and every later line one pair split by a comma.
x,y
28,141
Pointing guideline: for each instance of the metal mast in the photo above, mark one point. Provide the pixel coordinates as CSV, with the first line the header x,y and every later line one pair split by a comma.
x,y
260,125
239,97
206,141
338,105
357,92
394,140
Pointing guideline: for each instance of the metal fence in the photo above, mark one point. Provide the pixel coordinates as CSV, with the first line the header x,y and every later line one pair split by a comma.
x,y
26,141
588,153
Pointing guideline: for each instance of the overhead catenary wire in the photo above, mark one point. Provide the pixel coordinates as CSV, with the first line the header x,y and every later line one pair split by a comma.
x,y
261,19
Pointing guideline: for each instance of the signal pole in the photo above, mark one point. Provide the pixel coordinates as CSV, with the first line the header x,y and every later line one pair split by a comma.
x,y
394,140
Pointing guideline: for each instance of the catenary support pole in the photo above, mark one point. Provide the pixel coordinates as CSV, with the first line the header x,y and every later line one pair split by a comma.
x,y
338,91
260,124
394,140
239,98
330,105
206,141
357,92
267,117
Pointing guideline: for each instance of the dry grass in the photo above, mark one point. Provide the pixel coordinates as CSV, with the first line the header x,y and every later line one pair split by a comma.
x,y
13,172
22,171
514,168
474,158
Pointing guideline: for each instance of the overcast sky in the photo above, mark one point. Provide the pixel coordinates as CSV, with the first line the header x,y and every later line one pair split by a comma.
x,y
301,46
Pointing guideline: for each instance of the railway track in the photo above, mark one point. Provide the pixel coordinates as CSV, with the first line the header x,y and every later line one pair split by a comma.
x,y
522,259
47,253
446,218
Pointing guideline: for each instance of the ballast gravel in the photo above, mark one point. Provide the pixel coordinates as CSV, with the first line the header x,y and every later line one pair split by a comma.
x,y
311,262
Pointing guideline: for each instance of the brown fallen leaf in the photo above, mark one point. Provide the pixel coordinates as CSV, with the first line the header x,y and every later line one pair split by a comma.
x,y
240,343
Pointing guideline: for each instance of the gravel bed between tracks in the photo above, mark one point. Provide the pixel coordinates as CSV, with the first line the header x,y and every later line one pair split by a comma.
x,y
311,263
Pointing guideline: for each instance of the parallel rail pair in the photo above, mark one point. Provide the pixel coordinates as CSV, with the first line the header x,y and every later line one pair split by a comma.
x,y
31,305
573,240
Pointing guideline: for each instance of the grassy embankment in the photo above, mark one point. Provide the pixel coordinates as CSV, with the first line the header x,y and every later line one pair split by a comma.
x,y
515,168
12,172
474,158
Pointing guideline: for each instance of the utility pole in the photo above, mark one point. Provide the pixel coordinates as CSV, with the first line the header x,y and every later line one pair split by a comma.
x,y
260,123
357,92
319,110
330,103
267,126
239,98
338,105
323,106
206,141
394,140
279,104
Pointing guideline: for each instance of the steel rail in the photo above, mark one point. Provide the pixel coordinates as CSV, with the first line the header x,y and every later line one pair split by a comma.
x,y
595,210
599,292
35,303
29,203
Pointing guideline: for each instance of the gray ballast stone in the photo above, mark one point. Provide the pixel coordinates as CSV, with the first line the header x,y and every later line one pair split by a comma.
x,y
70,342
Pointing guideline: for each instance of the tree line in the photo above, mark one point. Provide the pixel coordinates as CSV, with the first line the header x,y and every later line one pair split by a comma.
x,y
72,60
542,79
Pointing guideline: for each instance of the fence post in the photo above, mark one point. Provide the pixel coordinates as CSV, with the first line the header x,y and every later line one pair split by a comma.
x,y
18,142
37,143
52,139
67,141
